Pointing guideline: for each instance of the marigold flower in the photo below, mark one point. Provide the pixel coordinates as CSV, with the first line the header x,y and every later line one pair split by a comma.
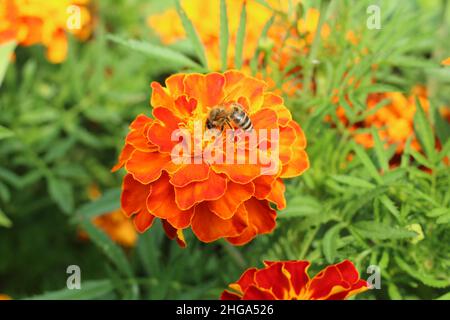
x,y
216,200
115,224
5,297
394,121
31,22
289,280
446,62
285,41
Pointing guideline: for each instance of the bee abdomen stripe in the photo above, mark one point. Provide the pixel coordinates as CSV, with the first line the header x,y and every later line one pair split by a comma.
x,y
247,124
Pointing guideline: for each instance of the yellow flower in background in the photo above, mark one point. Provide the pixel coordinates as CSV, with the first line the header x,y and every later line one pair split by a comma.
x,y
5,297
446,62
115,224
48,22
287,40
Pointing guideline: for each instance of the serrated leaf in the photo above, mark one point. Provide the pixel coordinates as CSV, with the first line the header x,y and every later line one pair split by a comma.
x,y
436,212
89,290
380,151
353,181
426,279
388,204
367,162
424,131
330,242
109,248
192,34
6,50
240,37
162,54
224,35
380,231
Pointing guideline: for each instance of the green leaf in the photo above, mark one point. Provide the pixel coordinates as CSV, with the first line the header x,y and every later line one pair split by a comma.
x,y
240,38
192,34
424,131
161,54
353,181
109,248
436,212
426,279
392,208
4,220
367,162
5,133
62,193
109,201
330,242
380,151
224,35
379,231
6,49
89,290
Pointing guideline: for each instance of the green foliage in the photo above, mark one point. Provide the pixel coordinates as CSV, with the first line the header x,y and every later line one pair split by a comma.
x,y
62,127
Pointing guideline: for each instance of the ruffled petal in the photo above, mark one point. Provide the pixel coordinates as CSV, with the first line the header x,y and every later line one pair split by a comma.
x,y
236,194
146,167
277,194
206,89
208,227
255,293
190,173
174,234
211,189
272,278
134,195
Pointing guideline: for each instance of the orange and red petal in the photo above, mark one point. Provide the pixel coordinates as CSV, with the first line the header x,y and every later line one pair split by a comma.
x,y
273,279
206,89
125,155
146,167
211,189
276,194
255,293
208,227
189,173
235,195
134,195
333,280
298,164
143,221
298,275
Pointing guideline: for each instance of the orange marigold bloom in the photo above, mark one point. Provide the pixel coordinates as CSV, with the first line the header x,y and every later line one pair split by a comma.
x,y
169,27
5,297
446,62
230,201
394,121
289,280
31,22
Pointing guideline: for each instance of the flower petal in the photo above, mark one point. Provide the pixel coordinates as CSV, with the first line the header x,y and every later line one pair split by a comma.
x,y
190,173
134,195
255,293
272,278
277,194
146,167
143,221
211,189
208,227
206,89
174,234
236,194
125,155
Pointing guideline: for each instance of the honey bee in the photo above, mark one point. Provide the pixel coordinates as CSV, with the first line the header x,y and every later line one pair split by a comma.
x,y
219,116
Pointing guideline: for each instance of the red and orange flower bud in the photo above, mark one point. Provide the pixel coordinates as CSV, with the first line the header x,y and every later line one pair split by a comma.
x,y
215,198
289,280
